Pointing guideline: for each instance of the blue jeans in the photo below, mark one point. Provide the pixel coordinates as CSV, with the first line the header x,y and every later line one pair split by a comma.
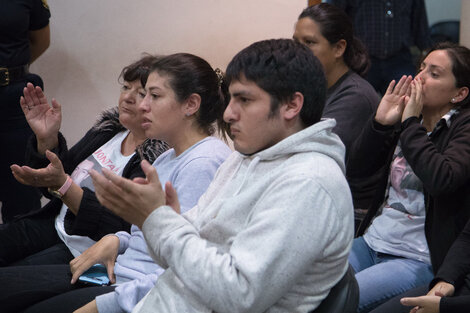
x,y
382,276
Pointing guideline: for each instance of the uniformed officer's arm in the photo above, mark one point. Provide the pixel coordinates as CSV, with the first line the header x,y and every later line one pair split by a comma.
x,y
39,42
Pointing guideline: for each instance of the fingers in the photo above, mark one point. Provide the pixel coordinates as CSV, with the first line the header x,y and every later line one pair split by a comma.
x,y
399,85
109,195
24,106
28,176
150,172
410,97
102,185
172,197
32,94
407,302
27,93
55,161
110,270
17,172
40,96
412,301
129,185
121,182
419,90
140,180
439,293
403,85
56,105
78,266
126,198
390,87
415,309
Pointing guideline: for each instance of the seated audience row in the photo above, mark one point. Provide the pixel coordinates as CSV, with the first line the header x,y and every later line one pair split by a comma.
x,y
273,230
73,220
184,98
249,245
271,108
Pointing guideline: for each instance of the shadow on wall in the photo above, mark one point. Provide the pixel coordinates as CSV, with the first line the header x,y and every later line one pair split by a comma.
x,y
67,79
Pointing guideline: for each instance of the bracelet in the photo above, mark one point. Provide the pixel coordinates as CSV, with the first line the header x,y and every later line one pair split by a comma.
x,y
62,190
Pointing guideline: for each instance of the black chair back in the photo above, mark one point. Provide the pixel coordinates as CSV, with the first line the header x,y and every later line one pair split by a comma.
x,y
343,297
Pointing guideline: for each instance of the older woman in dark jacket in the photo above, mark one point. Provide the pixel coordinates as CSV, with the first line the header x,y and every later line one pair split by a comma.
x,y
74,218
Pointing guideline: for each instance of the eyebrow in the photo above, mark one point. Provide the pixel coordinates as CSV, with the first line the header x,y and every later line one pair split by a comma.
x,y
152,88
241,94
433,66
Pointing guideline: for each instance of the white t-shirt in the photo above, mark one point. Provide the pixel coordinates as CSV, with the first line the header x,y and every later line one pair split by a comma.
x,y
109,156
399,230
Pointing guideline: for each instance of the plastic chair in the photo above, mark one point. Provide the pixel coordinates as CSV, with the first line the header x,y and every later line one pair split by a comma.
x,y
445,31
343,297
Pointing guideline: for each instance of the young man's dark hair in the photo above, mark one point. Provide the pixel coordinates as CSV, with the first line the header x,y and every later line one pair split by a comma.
x,y
278,66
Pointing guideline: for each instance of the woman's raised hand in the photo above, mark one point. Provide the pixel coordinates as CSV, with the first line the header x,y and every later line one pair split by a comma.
x,y
391,106
414,103
43,119
52,176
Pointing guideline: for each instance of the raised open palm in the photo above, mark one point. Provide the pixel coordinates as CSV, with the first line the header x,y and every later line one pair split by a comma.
x,y
43,119
392,104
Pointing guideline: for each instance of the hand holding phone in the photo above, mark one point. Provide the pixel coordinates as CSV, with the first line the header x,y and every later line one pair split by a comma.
x,y
96,275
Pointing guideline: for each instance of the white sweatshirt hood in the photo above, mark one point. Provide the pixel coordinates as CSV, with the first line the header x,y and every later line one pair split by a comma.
x,y
325,142
272,232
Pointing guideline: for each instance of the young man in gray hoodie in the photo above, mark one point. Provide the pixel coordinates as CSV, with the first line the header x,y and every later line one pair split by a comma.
x,y
273,230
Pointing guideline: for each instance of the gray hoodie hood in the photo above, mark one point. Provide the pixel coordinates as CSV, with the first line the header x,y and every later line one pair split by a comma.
x,y
326,142
272,232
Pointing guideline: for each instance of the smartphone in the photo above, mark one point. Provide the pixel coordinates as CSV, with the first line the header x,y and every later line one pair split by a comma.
x,y
95,275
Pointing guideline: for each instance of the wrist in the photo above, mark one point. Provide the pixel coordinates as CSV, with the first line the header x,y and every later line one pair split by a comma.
x,y
62,190
383,122
407,116
49,143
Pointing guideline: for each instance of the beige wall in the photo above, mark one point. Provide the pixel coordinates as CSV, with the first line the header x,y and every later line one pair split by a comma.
x,y
92,40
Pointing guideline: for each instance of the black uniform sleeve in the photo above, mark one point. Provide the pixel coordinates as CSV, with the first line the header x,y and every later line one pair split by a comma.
x,y
40,15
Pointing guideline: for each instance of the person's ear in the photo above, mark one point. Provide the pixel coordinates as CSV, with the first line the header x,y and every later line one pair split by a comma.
x,y
461,95
192,104
340,48
292,108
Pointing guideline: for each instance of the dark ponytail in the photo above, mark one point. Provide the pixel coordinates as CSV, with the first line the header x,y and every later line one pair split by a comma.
x,y
335,25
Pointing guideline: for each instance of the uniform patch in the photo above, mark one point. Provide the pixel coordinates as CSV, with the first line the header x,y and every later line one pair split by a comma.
x,y
44,3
